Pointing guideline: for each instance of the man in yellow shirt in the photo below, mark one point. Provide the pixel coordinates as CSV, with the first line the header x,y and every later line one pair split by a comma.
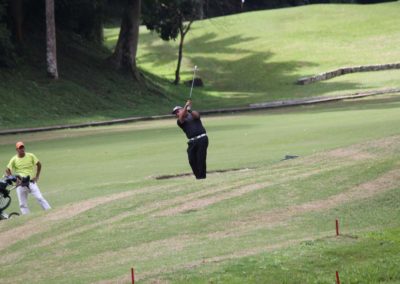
x,y
23,164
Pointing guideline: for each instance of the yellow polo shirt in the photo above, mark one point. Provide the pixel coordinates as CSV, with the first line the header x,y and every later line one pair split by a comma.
x,y
23,166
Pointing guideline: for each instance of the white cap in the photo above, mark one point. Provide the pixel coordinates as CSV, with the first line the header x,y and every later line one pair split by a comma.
x,y
175,109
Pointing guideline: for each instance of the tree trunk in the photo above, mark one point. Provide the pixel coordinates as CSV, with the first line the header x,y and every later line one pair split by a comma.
x,y
180,52
183,31
51,49
124,56
18,17
200,8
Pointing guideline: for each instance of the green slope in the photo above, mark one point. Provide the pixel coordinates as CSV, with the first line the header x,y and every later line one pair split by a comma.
x,y
258,56
87,89
246,58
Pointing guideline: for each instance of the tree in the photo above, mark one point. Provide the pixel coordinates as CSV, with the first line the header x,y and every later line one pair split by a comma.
x,y
170,19
6,46
51,49
124,56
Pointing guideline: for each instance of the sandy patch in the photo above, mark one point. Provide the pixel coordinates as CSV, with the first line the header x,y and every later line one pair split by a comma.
x,y
188,205
204,202
350,153
385,182
148,275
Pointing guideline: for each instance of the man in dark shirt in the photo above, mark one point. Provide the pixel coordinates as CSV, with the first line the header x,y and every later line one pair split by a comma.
x,y
189,121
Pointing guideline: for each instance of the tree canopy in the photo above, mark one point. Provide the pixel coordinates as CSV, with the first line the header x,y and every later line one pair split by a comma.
x,y
22,19
171,19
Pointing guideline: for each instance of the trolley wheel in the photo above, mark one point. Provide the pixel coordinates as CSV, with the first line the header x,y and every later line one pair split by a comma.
x,y
12,215
4,201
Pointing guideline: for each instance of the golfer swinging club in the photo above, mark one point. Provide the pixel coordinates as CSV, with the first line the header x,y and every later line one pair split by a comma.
x,y
189,121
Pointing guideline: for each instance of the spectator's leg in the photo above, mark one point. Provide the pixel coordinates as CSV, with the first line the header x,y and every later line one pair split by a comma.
x,y
38,195
22,193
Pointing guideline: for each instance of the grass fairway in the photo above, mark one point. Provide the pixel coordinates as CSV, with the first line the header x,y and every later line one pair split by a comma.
x,y
272,222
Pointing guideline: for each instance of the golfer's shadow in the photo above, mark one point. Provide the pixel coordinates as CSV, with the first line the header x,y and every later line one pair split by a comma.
x,y
208,172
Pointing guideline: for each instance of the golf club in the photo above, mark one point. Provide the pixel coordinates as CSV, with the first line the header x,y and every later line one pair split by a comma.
x,y
194,75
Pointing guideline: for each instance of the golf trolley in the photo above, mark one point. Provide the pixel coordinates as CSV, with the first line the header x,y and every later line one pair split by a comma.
x,y
5,198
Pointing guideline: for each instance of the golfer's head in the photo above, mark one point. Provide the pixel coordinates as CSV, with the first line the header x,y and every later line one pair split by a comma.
x,y
20,147
176,110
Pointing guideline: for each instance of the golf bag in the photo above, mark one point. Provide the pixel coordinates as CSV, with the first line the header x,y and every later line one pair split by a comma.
x,y
5,198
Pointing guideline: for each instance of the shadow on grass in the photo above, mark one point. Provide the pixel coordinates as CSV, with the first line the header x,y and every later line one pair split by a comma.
x,y
238,76
208,172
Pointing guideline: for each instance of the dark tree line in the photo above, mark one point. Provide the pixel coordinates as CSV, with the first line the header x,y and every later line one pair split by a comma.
x,y
171,19
212,8
20,20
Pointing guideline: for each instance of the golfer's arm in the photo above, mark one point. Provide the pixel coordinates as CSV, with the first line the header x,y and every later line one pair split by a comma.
x,y
38,169
8,172
182,114
195,114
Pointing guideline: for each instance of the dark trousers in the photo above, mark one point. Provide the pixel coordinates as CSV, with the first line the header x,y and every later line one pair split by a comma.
x,y
197,153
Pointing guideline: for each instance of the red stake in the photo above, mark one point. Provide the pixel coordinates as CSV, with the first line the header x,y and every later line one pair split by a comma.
x,y
337,227
133,276
337,278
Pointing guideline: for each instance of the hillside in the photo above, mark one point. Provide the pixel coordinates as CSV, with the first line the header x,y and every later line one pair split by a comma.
x,y
247,58
258,56
87,89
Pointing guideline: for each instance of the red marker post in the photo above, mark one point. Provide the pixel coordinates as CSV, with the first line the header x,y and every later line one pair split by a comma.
x,y
337,278
133,276
337,227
